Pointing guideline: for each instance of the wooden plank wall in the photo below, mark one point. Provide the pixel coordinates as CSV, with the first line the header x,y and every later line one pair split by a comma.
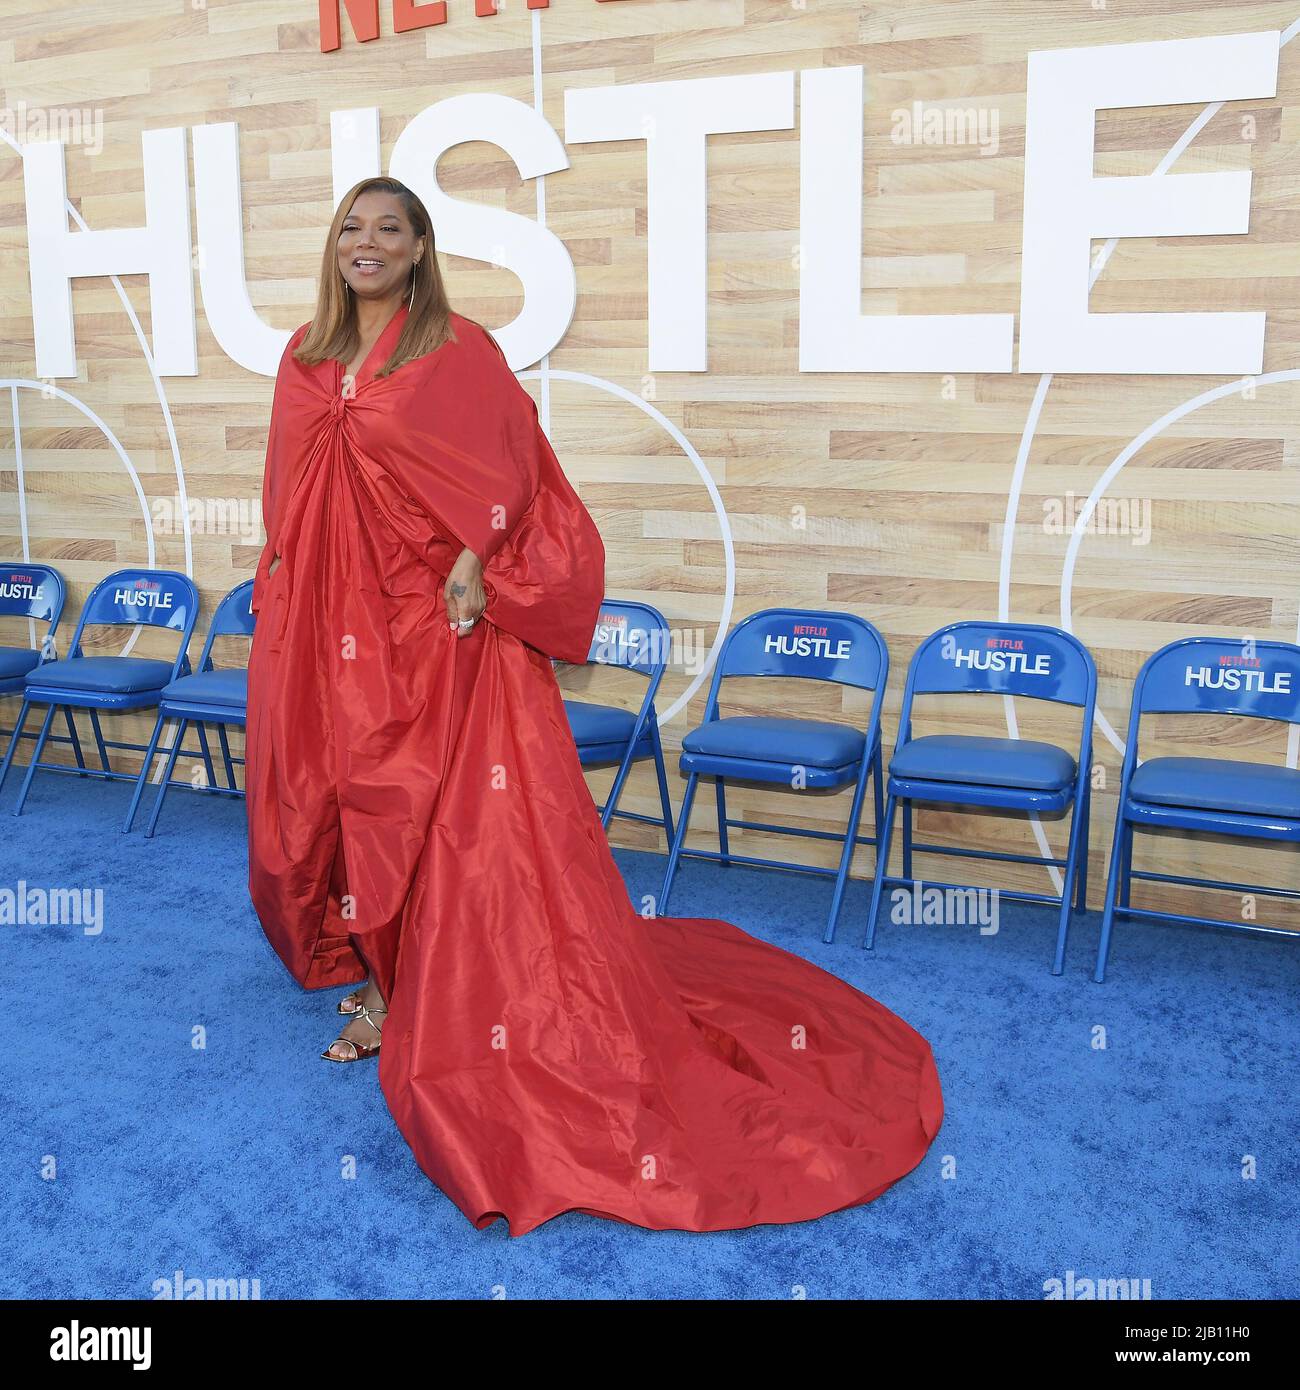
x,y
885,495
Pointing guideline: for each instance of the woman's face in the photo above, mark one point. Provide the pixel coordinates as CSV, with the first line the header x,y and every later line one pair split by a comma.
x,y
377,246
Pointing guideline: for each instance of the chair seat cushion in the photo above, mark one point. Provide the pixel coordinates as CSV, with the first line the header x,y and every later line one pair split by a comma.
x,y
210,688
799,742
990,762
591,724
17,661
1218,784
116,675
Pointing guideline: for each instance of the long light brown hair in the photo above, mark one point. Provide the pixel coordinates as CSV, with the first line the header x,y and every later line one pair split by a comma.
x,y
333,331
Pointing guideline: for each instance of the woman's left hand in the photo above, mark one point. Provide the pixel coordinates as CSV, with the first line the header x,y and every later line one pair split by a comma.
x,y
464,594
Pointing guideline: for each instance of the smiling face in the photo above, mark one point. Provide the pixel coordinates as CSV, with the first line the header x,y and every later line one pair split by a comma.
x,y
377,246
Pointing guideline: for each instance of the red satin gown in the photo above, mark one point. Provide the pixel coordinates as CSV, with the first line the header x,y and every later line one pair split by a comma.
x,y
416,809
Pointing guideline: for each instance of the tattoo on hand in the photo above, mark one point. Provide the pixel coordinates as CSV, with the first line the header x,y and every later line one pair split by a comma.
x,y
458,590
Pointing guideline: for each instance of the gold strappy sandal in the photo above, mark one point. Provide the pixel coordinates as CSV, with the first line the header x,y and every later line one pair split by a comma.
x,y
359,1051
355,998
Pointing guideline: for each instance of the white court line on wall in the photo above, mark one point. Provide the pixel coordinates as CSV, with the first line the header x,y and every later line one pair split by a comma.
x,y
728,548
1022,465
1130,451
181,490
543,374
48,388
162,401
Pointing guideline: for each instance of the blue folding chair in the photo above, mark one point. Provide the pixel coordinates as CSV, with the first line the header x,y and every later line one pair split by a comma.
x,y
207,697
798,754
1008,774
635,637
131,597
1206,675
29,591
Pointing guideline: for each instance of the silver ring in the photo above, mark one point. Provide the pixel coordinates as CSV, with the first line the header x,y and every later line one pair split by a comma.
x,y
466,622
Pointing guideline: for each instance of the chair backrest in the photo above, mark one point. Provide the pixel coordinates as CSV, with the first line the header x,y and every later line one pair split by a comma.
x,y
807,645
32,591
234,618
1043,663
631,635
1221,675
154,598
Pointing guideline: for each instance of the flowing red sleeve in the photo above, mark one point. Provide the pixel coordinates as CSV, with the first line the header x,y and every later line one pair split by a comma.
x,y
490,476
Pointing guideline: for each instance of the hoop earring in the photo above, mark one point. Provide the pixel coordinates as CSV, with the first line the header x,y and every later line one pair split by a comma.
x,y
411,302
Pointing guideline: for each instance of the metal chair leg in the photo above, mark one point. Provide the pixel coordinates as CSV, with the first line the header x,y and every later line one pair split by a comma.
x,y
1126,876
144,773
225,753
13,741
616,788
723,844
172,754
878,883
1078,850
76,742
846,855
878,793
661,772
1112,891
36,758
104,764
675,853
207,755
1081,897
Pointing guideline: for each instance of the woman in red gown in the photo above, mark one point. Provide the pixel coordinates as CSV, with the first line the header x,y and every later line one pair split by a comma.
x,y
418,817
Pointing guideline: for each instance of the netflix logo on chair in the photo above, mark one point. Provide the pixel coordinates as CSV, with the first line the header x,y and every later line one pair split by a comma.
x,y
616,642
611,627
23,586
808,639
144,593
1004,654
609,640
1239,673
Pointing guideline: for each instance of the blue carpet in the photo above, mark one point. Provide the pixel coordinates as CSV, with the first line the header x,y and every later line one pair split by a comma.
x,y
169,1067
